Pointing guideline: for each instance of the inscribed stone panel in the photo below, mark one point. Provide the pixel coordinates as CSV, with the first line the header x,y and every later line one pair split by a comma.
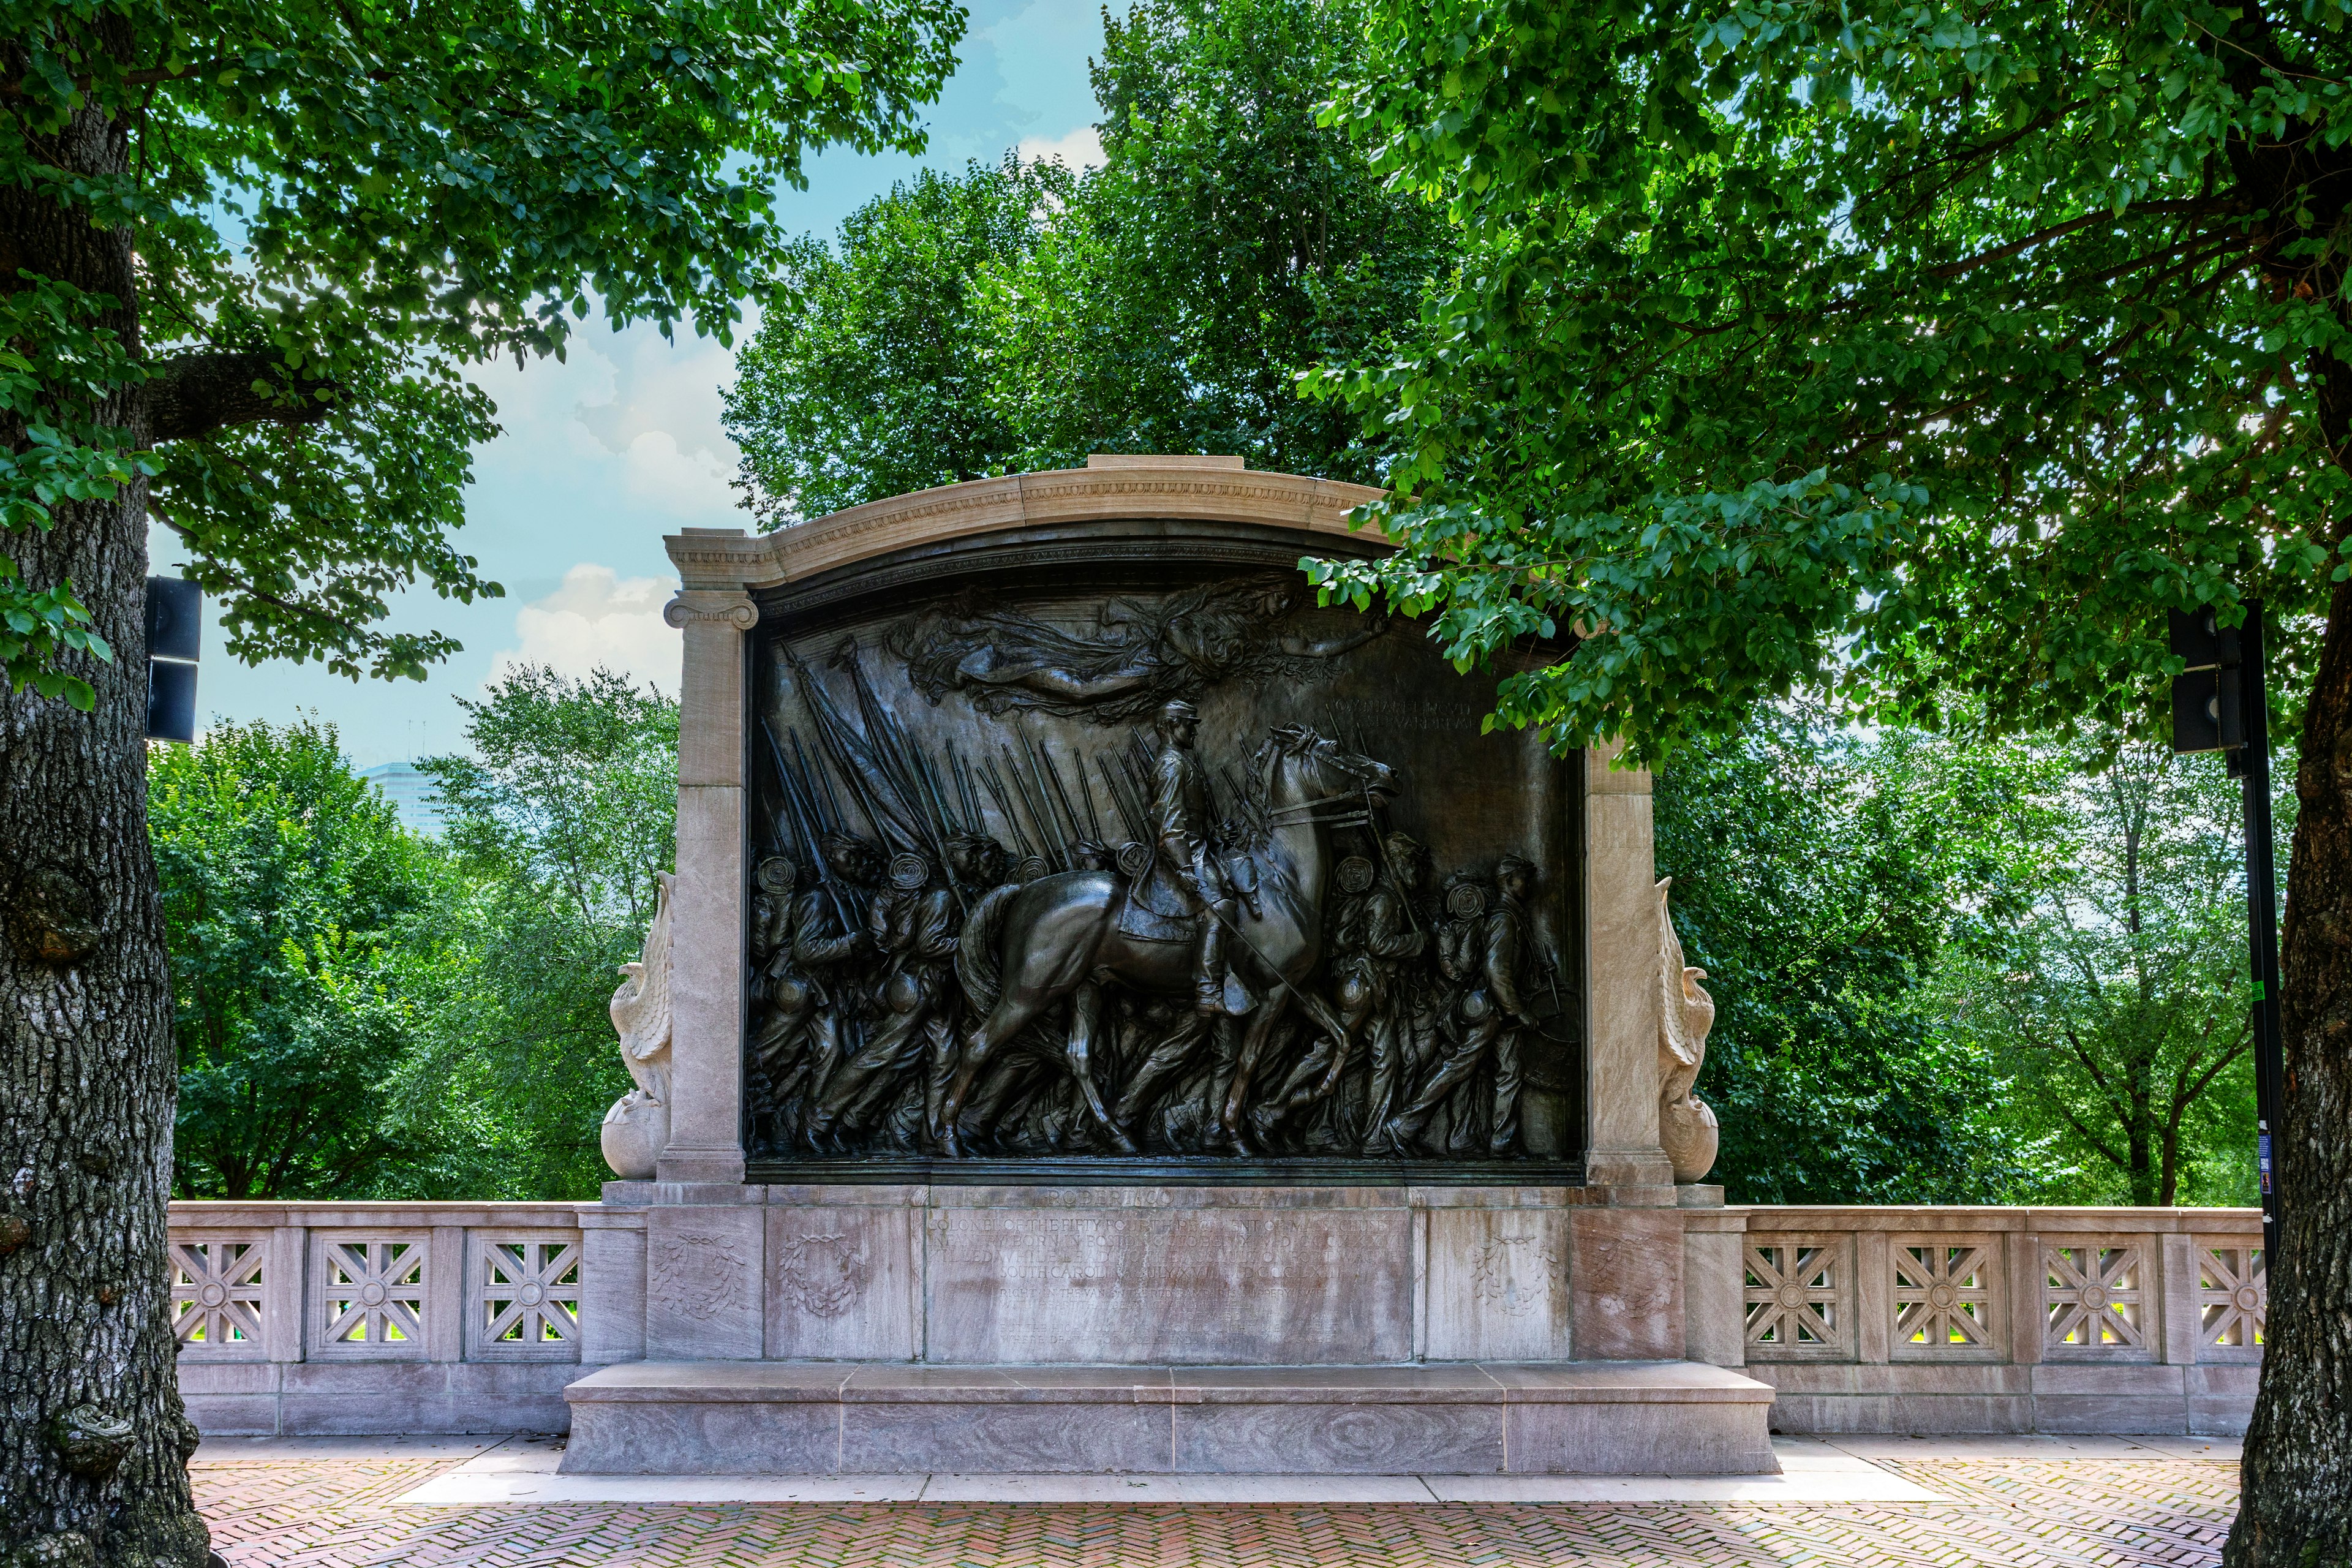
x,y
1197,1287
1625,1284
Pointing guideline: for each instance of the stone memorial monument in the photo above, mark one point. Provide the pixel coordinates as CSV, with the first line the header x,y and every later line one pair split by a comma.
x,y
1114,1013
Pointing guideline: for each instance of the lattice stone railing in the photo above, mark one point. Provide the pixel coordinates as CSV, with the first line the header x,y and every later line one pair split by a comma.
x,y
377,1282
2014,1285
504,1282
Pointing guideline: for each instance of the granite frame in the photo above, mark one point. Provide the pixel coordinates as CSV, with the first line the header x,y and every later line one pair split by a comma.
x,y
1114,509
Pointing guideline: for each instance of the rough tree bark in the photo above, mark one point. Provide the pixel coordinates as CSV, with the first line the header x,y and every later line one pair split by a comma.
x,y
2296,1511
2296,1501
94,1439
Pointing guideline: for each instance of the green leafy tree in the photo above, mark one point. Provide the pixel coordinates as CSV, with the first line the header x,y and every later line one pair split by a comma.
x,y
1823,880
245,251
558,823
870,374
1895,349
289,889
1227,242
1020,317
2119,1003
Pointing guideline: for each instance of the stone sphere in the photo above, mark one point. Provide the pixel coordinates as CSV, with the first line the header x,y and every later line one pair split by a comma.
x,y
636,1130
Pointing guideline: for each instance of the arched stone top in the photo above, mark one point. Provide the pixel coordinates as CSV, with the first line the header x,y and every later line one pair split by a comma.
x,y
1217,490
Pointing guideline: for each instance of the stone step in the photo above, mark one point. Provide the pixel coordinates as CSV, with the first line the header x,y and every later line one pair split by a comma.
x,y
897,1418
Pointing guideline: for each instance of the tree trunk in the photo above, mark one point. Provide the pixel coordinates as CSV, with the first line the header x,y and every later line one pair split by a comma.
x,y
93,1442
2296,1511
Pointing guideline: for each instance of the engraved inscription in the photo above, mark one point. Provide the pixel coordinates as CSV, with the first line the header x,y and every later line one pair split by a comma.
x,y
1131,1285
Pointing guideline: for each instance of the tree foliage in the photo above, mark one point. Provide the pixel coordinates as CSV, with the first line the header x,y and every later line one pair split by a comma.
x,y
1921,355
362,1011
1017,317
871,377
556,826
290,894
2117,1000
1824,881
1870,349
296,223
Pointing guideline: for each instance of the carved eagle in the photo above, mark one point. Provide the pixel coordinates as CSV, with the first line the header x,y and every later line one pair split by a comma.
x,y
640,1007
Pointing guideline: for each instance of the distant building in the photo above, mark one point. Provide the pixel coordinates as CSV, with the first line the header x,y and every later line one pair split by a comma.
x,y
412,794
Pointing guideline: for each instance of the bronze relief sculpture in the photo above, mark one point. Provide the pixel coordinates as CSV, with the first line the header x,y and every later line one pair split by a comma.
x,y
1140,876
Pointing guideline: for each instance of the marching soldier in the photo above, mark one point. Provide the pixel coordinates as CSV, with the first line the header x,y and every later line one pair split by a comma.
x,y
795,1035
1482,950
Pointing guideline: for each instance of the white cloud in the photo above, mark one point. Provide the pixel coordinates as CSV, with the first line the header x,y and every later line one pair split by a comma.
x,y
599,618
662,419
633,414
1080,148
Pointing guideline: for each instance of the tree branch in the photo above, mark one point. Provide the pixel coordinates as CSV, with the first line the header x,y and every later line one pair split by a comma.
x,y
194,395
2056,231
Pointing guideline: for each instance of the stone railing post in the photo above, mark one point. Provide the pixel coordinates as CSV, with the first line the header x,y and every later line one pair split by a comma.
x,y
1621,924
706,1138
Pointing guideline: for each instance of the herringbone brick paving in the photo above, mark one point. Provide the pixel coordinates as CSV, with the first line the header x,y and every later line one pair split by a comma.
x,y
2010,1513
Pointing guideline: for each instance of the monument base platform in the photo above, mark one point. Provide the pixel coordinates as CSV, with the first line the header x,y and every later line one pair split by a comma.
x,y
868,1418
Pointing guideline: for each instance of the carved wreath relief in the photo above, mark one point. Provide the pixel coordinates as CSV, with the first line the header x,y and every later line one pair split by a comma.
x,y
1122,877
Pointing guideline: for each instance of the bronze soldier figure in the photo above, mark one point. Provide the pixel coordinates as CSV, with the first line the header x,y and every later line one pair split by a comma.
x,y
795,1035
1379,981
1482,950
911,922
1181,810
826,947
1373,939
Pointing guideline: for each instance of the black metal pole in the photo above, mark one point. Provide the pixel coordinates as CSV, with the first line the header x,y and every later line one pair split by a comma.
x,y
2262,909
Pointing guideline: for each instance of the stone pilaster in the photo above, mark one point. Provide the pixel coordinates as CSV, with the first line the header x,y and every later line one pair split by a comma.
x,y
706,912
1621,924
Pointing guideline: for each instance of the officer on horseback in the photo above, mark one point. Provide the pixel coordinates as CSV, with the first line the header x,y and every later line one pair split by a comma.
x,y
1182,812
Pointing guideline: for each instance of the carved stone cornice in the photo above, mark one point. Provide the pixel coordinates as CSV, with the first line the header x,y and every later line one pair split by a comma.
x,y
731,605
1216,489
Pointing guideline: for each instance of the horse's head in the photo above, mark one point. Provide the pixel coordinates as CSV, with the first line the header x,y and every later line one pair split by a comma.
x,y
1319,768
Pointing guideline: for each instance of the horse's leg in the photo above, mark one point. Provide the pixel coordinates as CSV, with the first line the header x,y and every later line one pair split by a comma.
x,y
1086,1022
1315,1077
1011,1014
1354,1010
995,1087
1163,1059
1261,1028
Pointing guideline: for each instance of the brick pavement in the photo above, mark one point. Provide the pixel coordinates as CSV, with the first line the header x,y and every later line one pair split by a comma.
x,y
2112,1513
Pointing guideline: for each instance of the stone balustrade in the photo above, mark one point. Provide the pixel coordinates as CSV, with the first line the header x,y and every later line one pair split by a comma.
x,y
377,1317
2005,1320
390,1317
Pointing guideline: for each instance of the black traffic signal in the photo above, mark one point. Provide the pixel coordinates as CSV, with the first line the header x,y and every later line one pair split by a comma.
x,y
174,618
2207,707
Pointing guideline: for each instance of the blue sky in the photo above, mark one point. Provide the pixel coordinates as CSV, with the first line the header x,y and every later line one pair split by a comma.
x,y
603,453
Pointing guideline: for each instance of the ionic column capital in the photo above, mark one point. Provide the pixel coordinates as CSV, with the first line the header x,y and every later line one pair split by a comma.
x,y
731,606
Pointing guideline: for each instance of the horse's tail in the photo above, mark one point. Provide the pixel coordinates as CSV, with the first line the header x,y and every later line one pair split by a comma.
x,y
978,964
